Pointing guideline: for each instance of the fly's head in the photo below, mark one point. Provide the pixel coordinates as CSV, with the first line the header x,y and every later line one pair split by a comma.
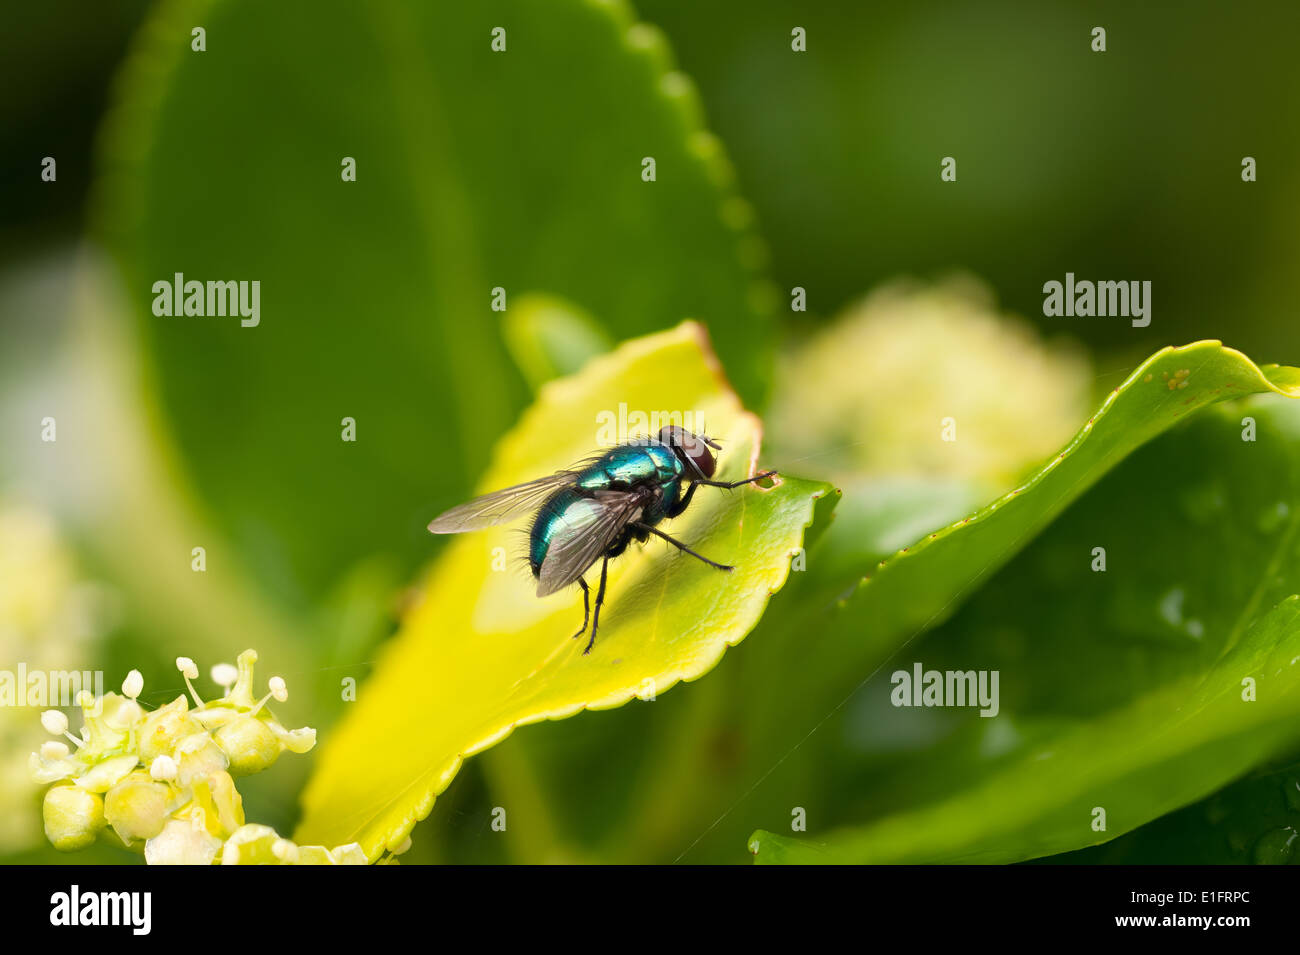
x,y
692,449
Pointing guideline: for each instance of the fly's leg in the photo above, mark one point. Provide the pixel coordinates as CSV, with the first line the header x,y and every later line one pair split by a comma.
x,y
600,599
681,506
682,547
734,484
586,608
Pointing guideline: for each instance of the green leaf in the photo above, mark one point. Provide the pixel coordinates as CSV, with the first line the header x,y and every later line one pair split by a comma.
x,y
1254,820
1137,763
847,206
474,170
550,338
923,585
1136,690
480,654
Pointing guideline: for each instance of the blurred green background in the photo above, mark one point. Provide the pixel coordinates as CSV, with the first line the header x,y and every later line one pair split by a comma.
x,y
775,170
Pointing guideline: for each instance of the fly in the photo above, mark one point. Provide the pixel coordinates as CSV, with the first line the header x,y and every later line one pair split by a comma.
x,y
593,510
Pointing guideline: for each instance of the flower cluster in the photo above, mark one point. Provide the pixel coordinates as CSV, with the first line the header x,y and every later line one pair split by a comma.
x,y
51,616
923,353
163,781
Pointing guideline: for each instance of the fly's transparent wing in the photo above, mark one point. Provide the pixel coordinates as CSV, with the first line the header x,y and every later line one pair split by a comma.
x,y
500,506
587,530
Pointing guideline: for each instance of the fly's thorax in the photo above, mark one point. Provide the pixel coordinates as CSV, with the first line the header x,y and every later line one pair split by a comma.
x,y
632,464
666,497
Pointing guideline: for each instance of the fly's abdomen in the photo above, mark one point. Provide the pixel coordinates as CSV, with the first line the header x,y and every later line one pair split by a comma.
x,y
565,514
545,525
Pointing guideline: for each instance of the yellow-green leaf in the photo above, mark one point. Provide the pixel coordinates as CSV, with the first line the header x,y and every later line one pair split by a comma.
x,y
479,654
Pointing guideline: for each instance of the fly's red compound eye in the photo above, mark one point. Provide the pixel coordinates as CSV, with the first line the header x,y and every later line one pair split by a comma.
x,y
703,458
691,447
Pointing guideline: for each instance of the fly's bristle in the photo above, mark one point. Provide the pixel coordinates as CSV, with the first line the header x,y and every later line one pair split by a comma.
x,y
523,559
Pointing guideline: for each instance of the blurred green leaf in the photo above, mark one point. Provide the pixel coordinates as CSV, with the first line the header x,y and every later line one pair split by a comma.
x,y
923,585
1136,764
480,654
475,170
1145,759
1255,820
550,338
1120,689
839,148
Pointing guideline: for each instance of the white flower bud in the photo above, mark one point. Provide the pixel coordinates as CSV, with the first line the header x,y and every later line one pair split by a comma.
x,y
278,689
224,675
55,722
53,749
133,684
187,668
163,767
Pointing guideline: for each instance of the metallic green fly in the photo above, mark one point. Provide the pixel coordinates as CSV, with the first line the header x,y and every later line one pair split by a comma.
x,y
593,510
